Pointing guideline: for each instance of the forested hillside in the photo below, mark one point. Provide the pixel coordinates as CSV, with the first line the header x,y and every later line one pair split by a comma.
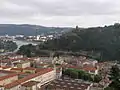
x,y
102,40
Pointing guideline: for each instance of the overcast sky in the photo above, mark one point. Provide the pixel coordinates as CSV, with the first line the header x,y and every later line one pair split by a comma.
x,y
84,13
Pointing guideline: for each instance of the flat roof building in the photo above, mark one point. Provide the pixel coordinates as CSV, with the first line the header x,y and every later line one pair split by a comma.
x,y
68,84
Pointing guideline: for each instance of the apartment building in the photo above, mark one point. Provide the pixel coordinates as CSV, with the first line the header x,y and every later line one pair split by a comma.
x,y
41,77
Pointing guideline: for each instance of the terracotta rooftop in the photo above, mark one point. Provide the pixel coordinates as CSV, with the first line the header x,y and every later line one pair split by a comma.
x,y
30,83
5,71
5,67
18,69
40,69
7,76
20,81
75,67
85,68
29,68
89,68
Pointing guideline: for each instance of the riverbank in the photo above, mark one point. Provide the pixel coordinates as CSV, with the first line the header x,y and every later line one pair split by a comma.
x,y
19,44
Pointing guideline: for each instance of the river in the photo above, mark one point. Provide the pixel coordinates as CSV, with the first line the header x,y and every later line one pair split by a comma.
x,y
19,44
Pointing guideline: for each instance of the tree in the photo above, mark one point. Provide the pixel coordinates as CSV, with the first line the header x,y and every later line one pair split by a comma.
x,y
115,77
97,78
79,74
109,88
8,45
101,43
27,50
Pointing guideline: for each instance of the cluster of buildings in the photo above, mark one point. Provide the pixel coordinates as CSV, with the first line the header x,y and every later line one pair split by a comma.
x,y
41,38
17,73
14,80
7,38
45,73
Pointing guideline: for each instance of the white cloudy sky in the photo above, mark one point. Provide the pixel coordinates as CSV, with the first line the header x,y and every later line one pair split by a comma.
x,y
60,12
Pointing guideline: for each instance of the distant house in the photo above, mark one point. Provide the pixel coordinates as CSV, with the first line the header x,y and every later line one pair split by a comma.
x,y
57,60
14,56
43,65
17,69
90,69
22,64
29,70
82,62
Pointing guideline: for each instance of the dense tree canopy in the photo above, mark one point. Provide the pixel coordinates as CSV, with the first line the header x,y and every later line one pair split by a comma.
x,y
27,50
79,74
7,46
115,77
31,51
102,43
105,41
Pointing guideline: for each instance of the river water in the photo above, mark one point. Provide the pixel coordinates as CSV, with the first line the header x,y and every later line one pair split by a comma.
x,y
19,44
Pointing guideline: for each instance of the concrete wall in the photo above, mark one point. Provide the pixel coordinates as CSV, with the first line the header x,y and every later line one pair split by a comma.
x,y
23,65
45,78
15,88
31,88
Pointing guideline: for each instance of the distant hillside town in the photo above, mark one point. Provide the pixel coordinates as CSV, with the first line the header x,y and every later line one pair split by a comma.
x,y
86,59
40,38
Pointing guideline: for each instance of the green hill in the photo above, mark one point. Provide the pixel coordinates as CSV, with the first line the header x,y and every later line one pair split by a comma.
x,y
104,41
26,29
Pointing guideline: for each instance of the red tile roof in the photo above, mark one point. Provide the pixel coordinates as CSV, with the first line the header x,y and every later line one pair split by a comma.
x,y
7,76
30,83
20,81
29,68
85,68
5,67
92,69
74,67
18,69
89,68
7,72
